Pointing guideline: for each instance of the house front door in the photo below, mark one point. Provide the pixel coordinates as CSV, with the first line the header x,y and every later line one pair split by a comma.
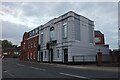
x,y
41,56
51,55
65,55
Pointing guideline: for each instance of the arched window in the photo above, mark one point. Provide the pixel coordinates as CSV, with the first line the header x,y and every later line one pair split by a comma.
x,y
52,33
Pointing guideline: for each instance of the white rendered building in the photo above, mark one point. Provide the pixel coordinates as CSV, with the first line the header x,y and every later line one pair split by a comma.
x,y
66,36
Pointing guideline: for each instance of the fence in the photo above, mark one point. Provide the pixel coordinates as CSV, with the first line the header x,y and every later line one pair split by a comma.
x,y
84,58
106,58
91,58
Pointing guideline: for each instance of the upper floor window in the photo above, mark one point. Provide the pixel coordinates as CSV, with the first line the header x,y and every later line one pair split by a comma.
x,y
33,32
65,30
31,44
29,34
52,33
36,31
91,36
28,45
35,44
41,38
24,45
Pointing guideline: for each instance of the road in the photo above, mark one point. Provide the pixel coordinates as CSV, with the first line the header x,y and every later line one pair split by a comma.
x,y
13,68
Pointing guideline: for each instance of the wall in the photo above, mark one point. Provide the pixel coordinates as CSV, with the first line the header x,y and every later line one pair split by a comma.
x,y
103,49
33,50
81,39
78,37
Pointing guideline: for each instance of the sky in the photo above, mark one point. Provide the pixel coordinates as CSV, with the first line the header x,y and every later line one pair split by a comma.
x,y
19,17
119,24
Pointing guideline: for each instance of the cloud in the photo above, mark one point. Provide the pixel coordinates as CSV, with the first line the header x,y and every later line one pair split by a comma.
x,y
13,32
33,14
119,24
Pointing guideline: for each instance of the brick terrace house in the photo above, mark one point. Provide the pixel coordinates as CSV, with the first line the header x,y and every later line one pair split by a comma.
x,y
113,56
100,42
99,38
104,48
29,45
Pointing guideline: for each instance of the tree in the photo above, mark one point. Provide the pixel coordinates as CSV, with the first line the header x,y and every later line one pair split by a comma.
x,y
6,44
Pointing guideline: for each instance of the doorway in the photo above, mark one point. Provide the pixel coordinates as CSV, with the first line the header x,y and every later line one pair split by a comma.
x,y
41,56
51,55
65,55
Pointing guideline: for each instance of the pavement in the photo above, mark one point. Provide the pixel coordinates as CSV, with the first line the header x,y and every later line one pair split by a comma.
x,y
87,67
13,68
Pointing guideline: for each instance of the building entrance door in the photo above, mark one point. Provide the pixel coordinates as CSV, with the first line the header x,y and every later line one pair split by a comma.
x,y
65,55
51,55
41,56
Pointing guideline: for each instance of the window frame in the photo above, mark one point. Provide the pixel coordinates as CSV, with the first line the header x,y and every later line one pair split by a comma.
x,y
58,53
52,33
35,42
45,54
41,37
34,55
65,30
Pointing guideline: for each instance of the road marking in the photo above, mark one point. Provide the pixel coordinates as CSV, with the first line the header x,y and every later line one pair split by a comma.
x,y
9,74
37,68
20,65
74,75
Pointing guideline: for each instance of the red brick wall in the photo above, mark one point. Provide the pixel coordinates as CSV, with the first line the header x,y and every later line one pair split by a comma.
x,y
34,49
23,47
26,48
101,37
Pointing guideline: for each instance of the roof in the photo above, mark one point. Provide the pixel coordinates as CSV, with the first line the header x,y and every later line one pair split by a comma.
x,y
98,32
62,16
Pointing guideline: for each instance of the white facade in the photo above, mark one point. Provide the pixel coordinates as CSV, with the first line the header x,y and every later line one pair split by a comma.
x,y
72,35
103,49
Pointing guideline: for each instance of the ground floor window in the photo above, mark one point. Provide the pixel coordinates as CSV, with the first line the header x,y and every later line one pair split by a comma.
x,y
58,53
45,54
28,55
31,55
34,55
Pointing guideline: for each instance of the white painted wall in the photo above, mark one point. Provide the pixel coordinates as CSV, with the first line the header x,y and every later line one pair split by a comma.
x,y
103,49
75,47
79,48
